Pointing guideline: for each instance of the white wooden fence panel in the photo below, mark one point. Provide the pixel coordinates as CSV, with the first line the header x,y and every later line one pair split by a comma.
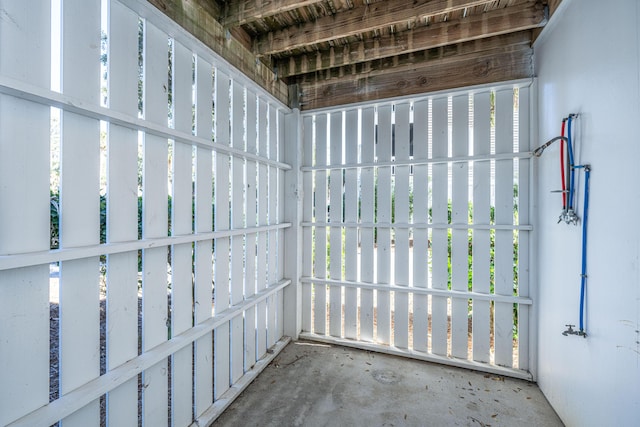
x,y
481,237
24,217
416,232
367,246
420,216
439,321
203,272
503,317
383,253
460,237
401,261
335,216
263,210
307,216
167,103
523,236
237,222
155,220
351,233
181,224
320,261
222,246
79,313
122,212
251,238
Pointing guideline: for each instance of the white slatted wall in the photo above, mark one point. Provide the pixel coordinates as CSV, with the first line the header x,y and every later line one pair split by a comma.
x,y
420,247
205,277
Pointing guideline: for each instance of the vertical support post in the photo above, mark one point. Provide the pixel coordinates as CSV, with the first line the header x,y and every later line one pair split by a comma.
x,y
293,194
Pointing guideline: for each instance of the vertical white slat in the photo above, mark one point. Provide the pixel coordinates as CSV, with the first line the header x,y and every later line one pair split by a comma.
x,y
24,217
237,222
420,217
272,302
503,316
122,211
367,179
307,216
181,224
383,253
263,208
79,357
460,236
320,261
280,206
481,216
222,245
251,239
335,216
155,221
203,223
523,236
439,243
401,259
351,233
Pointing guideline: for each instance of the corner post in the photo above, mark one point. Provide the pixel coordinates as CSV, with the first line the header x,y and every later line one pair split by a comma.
x,y
293,214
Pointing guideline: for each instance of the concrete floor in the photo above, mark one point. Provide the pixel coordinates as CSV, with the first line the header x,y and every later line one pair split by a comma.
x,y
313,384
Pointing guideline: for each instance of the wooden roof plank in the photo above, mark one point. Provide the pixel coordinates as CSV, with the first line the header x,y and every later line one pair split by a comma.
x,y
355,21
243,12
493,23
468,70
196,17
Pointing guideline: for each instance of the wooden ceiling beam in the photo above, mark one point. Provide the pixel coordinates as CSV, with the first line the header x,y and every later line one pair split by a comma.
x,y
508,63
197,18
435,56
497,22
243,12
356,21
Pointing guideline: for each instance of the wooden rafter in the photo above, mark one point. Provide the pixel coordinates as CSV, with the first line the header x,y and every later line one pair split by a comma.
x,y
500,64
246,11
196,16
356,21
496,22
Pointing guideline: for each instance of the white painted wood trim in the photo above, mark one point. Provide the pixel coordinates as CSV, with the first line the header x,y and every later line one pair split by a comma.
x,y
9,86
422,291
78,398
37,258
432,161
427,357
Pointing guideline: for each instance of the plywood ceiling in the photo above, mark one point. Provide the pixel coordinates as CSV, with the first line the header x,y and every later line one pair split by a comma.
x,y
333,52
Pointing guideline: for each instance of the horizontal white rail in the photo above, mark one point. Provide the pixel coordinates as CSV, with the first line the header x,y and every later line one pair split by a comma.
x,y
420,291
87,393
419,355
46,257
9,86
434,161
421,226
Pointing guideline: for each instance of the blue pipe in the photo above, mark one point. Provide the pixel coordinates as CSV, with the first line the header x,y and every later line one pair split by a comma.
x,y
583,275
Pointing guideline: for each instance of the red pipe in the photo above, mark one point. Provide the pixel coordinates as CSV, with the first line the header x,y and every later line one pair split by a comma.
x,y
564,184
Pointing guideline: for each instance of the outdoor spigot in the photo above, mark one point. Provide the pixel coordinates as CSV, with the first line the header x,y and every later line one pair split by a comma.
x,y
571,331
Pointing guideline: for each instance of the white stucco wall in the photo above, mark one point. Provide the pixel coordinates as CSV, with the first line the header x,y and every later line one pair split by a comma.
x,y
587,62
